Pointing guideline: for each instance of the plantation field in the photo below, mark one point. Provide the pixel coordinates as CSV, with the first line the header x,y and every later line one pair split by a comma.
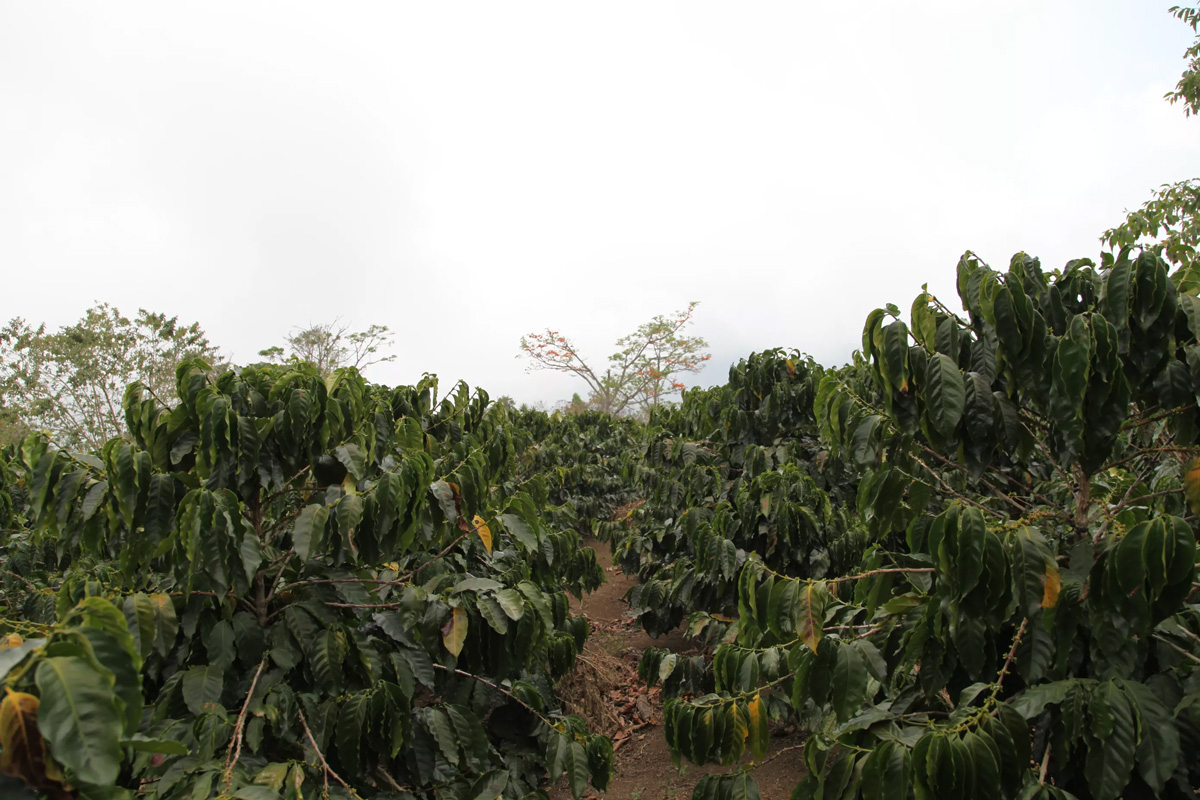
x,y
963,565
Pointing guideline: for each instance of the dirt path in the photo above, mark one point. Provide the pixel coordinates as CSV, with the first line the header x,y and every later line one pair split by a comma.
x,y
607,693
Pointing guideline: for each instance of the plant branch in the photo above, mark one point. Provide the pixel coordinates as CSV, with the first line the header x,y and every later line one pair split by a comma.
x,y
235,752
499,689
324,764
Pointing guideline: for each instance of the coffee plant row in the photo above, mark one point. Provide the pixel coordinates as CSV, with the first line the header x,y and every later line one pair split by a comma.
x,y
287,586
964,563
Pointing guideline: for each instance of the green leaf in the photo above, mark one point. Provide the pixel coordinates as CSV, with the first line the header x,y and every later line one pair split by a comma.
x,y
743,787
353,459
493,614
309,531
251,553
140,618
510,600
924,321
849,682
1031,702
220,644
576,764
146,744
1111,743
439,723
202,688
489,785
326,654
127,680
945,395
885,773
472,738
349,512
352,727
520,531
160,506
255,793
1158,746
984,757
477,585
78,718
968,561
96,612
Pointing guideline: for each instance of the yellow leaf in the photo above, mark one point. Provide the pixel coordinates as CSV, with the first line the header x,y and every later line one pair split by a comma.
x,y
1053,585
485,533
11,641
454,632
810,617
758,732
791,368
393,566
24,750
1191,485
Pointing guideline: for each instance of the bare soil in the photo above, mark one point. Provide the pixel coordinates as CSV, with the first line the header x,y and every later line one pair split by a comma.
x,y
604,690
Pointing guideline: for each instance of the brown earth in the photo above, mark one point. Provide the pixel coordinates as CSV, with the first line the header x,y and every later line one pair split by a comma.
x,y
604,689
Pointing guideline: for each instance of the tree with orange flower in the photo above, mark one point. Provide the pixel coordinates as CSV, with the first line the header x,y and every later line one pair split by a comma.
x,y
643,372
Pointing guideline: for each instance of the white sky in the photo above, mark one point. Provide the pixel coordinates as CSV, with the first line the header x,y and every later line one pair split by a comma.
x,y
469,172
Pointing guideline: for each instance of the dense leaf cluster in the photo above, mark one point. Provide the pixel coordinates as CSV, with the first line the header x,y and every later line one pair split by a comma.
x,y
965,563
291,584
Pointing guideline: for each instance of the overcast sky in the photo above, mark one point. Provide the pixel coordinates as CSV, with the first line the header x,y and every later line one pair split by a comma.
x,y
468,172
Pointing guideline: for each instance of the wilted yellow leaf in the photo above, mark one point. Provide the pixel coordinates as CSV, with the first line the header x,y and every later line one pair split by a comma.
x,y
1191,485
758,733
485,533
24,750
11,641
454,632
810,614
1053,586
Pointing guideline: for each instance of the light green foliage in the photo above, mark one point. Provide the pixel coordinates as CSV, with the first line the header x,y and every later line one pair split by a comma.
x,y
640,376
333,345
69,383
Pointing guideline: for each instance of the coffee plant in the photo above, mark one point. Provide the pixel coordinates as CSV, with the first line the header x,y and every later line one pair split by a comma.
x,y
290,586
590,462
964,563
1017,615
733,470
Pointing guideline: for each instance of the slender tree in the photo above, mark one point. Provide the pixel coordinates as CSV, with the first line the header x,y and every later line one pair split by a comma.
x,y
331,345
69,383
639,375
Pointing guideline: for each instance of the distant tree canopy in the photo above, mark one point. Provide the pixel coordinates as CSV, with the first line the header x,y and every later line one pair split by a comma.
x,y
331,345
69,383
640,374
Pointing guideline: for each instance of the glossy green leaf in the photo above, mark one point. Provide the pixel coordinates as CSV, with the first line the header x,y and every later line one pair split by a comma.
x,y
202,688
945,395
79,719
